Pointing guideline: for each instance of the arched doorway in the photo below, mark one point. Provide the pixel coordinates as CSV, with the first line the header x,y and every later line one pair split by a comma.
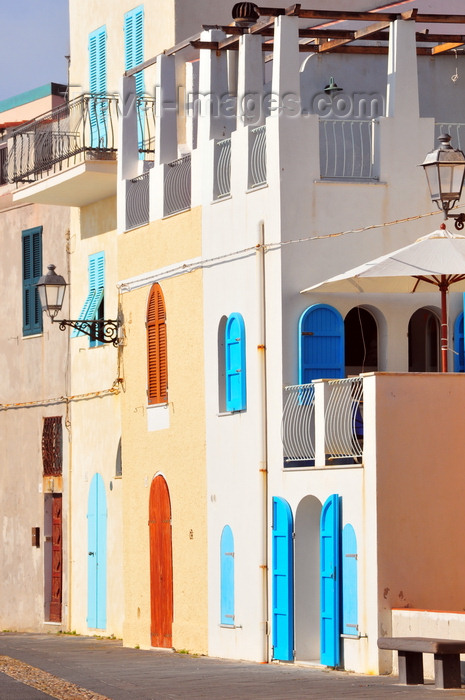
x,y
423,341
361,341
307,580
161,564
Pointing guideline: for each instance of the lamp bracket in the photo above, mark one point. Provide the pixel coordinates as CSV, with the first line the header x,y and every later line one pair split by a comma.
x,y
459,220
101,330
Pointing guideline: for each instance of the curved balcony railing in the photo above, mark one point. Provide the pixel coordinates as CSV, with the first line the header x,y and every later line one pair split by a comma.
x,y
298,424
346,149
137,201
178,185
258,157
344,418
146,125
84,127
223,168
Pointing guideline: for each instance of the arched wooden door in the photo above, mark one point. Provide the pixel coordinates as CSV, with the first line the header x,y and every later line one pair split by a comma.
x,y
161,564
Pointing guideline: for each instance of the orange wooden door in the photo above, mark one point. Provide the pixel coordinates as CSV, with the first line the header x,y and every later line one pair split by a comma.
x,y
161,565
57,559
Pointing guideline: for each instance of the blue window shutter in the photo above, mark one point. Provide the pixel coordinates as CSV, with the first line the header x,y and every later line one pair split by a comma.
x,y
227,576
321,344
98,85
459,341
134,43
236,380
95,295
330,574
349,581
282,581
32,270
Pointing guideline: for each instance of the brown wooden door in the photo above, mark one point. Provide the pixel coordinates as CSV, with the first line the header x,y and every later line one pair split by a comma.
x,y
57,559
161,565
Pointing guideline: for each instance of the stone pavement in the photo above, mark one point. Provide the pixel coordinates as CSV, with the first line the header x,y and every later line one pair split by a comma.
x,y
89,668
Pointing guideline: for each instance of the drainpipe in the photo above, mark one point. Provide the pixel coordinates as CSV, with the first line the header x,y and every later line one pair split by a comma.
x,y
264,426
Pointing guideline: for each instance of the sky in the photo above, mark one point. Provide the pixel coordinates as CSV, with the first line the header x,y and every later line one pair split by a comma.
x,y
35,41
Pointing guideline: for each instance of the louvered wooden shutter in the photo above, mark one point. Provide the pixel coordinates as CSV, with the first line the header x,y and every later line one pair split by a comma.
x,y
157,347
98,85
32,270
134,56
236,384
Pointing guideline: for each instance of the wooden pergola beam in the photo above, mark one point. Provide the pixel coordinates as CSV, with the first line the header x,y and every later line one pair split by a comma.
x,y
330,45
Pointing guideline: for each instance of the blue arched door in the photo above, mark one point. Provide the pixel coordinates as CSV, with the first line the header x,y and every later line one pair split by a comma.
x,y
330,572
321,344
97,555
282,581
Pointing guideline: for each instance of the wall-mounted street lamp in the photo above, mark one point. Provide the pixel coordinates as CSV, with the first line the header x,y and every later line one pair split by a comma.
x,y
52,289
445,170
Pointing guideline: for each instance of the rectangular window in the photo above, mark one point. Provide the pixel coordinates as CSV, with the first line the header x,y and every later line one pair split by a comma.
x,y
52,446
32,270
93,307
98,108
134,56
3,164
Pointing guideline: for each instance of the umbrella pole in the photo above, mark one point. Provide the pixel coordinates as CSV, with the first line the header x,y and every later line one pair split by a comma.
x,y
444,330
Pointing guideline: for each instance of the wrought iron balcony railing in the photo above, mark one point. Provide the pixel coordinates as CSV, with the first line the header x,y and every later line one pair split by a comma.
x,y
178,185
257,175
84,127
347,149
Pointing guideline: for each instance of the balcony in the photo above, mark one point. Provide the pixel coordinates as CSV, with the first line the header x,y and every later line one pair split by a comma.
x,y
67,156
322,423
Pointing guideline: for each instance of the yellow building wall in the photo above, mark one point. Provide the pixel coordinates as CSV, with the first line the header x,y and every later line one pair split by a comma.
x,y
177,452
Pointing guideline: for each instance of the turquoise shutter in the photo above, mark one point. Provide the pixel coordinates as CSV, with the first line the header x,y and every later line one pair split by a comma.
x,y
134,56
95,295
330,580
97,554
321,344
349,581
459,340
282,581
32,270
98,86
227,576
236,399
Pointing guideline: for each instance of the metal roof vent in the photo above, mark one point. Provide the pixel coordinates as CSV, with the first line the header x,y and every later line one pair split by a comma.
x,y
245,14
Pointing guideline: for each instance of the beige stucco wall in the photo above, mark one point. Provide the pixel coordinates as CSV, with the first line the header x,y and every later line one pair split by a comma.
x,y
95,414
178,451
34,376
420,486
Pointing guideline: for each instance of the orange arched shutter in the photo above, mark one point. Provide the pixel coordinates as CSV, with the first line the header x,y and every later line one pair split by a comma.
x,y
156,347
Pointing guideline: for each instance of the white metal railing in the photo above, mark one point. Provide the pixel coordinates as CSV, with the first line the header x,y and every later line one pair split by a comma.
x,y
344,418
257,157
298,423
223,168
347,149
137,201
178,185
455,130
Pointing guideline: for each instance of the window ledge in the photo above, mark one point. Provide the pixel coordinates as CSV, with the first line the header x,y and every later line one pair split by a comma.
x,y
231,413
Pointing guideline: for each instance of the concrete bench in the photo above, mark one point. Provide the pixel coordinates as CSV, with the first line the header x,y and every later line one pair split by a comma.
x,y
410,654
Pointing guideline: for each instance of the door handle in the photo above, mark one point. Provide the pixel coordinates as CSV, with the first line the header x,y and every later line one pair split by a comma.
x,y
91,554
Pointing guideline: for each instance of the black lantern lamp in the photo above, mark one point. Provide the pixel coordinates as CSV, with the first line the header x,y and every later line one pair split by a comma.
x,y
52,289
445,170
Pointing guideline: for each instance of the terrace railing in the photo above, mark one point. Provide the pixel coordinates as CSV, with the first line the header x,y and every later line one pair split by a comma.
x,y
178,185
298,424
455,130
347,149
137,201
257,174
223,168
62,137
344,418
146,126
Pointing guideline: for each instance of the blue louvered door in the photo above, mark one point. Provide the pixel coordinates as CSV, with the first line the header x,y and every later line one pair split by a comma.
x,y
349,581
321,346
97,555
282,581
227,576
459,344
330,572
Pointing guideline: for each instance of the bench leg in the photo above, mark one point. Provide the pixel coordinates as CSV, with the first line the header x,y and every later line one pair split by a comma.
x,y
447,671
410,667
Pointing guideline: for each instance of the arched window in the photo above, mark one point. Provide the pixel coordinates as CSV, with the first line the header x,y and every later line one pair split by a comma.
x,y
321,344
423,341
157,373
361,341
236,398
